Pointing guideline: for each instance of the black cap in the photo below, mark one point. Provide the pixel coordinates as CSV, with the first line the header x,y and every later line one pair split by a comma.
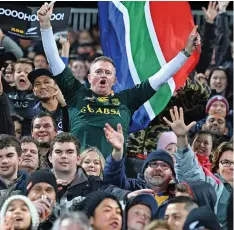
x,y
6,56
38,73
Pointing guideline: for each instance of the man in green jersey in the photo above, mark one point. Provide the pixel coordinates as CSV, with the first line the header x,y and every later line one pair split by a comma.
x,y
90,109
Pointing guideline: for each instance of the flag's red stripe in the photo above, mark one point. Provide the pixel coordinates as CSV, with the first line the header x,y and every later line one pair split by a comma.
x,y
173,22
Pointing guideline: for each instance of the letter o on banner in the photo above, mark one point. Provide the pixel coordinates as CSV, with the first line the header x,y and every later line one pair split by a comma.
x,y
1,11
58,16
33,17
20,15
14,13
52,17
7,12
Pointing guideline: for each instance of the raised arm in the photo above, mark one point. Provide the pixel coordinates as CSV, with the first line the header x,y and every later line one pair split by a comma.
x,y
171,68
56,64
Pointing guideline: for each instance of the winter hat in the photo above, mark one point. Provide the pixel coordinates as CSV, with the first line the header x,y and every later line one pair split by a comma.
x,y
30,205
41,176
145,199
159,155
165,139
217,98
202,218
92,200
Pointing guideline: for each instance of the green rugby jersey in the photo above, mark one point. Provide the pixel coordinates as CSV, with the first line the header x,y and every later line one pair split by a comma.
x,y
88,112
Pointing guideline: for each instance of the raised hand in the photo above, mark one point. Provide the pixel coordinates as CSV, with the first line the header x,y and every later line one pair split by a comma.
x,y
194,40
211,12
177,125
223,6
44,15
63,40
141,191
115,138
8,223
60,97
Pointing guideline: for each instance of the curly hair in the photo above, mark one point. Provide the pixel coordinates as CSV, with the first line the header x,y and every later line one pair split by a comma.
x,y
225,146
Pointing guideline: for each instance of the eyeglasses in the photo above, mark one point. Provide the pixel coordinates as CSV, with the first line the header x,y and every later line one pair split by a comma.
x,y
154,165
226,163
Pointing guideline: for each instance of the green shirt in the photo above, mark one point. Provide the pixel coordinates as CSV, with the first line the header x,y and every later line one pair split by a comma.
x,y
89,112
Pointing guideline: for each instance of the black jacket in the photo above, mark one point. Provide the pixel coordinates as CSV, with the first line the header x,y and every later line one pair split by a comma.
x,y
6,123
23,102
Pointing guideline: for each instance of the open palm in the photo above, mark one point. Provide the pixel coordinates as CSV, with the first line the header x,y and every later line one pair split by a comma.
x,y
115,138
177,125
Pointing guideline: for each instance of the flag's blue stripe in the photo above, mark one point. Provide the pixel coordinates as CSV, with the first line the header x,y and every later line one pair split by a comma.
x,y
112,36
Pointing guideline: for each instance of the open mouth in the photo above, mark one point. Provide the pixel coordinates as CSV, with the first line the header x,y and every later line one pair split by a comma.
x,y
115,224
103,82
18,219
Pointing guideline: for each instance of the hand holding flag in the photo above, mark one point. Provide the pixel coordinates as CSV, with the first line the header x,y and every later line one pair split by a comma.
x,y
194,40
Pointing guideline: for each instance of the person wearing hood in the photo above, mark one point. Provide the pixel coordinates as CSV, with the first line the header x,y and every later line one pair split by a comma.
x,y
103,210
168,142
139,211
18,212
156,178
200,191
202,218
188,168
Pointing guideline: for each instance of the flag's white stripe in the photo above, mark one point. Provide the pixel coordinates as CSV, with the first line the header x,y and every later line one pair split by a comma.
x,y
131,64
155,43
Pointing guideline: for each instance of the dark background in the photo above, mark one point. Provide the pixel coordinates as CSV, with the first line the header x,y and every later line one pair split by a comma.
x,y
195,5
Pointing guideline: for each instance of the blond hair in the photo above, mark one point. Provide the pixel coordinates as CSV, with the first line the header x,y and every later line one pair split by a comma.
x,y
154,225
99,154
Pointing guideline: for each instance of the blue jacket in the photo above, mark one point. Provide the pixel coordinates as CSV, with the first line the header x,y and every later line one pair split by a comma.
x,y
19,187
114,173
188,169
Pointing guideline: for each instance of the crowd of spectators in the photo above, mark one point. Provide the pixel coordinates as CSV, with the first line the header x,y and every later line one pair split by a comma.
x,y
67,160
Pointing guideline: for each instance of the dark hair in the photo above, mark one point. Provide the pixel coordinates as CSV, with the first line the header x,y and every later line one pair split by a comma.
x,y
28,139
44,114
183,187
190,203
10,141
216,68
225,146
205,132
63,138
6,63
40,54
25,61
104,59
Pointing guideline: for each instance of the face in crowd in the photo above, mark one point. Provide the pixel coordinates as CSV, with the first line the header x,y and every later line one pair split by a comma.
x,y
64,157
138,216
107,216
225,168
203,144
216,123
218,81
30,157
9,74
79,70
19,214
9,163
43,130
91,162
44,88
218,107
21,76
40,62
102,77
158,173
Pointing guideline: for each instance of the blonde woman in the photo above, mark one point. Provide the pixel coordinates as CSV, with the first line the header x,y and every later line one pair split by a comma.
x,y
92,161
157,225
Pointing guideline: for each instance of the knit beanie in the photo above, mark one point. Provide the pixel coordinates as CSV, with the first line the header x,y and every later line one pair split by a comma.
x,y
217,98
41,176
159,155
165,139
92,200
30,205
202,218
